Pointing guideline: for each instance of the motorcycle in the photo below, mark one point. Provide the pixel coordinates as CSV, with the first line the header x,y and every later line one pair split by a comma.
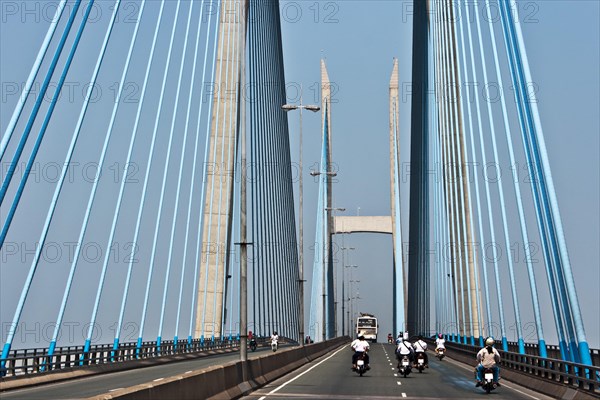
x,y
390,339
404,367
274,346
440,352
420,362
488,380
361,365
252,344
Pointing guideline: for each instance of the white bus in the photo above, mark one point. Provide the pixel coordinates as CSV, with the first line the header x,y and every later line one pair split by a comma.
x,y
366,325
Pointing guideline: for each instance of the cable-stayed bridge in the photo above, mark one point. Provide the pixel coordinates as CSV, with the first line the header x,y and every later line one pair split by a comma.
x,y
165,222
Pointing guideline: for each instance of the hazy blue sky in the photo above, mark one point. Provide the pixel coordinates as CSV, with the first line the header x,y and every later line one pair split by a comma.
x,y
358,40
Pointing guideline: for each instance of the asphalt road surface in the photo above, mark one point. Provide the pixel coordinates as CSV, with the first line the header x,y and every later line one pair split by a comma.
x,y
95,385
330,377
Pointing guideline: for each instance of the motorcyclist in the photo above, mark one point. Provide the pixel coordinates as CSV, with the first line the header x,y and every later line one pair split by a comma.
x,y
251,341
390,338
274,338
421,347
404,348
440,342
488,357
360,346
399,339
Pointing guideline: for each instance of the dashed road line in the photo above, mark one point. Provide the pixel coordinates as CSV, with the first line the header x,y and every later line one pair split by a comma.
x,y
298,376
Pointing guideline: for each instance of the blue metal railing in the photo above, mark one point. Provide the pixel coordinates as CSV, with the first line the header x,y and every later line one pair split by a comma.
x,y
574,375
27,362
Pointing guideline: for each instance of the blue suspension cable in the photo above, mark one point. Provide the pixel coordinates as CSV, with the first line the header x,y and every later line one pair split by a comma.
x,y
524,234
453,179
549,196
193,176
515,296
121,189
59,186
458,150
38,103
461,82
179,176
95,188
33,268
580,350
398,234
444,192
536,195
488,195
476,182
166,168
447,321
38,142
439,294
34,70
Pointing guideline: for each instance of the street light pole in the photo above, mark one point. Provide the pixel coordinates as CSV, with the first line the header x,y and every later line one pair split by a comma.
x,y
313,108
351,317
344,266
343,296
328,210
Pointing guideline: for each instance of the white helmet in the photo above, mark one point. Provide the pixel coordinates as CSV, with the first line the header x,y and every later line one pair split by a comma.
x,y
489,342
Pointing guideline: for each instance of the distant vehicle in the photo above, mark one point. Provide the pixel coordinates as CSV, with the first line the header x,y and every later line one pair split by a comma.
x,y
366,325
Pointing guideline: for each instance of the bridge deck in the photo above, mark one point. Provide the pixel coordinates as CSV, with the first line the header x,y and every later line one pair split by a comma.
x,y
330,377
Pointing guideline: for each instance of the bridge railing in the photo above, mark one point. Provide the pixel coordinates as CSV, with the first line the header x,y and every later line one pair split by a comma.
x,y
574,375
25,362
552,350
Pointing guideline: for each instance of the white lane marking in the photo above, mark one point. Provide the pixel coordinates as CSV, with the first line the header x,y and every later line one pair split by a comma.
x,y
399,383
391,364
296,377
395,374
517,390
112,390
188,372
159,379
393,369
503,384
403,394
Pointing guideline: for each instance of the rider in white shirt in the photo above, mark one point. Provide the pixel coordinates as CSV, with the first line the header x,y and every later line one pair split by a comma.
x,y
360,346
404,348
420,347
274,337
440,342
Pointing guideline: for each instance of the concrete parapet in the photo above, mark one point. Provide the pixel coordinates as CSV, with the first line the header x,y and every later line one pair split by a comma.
x,y
225,381
60,375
